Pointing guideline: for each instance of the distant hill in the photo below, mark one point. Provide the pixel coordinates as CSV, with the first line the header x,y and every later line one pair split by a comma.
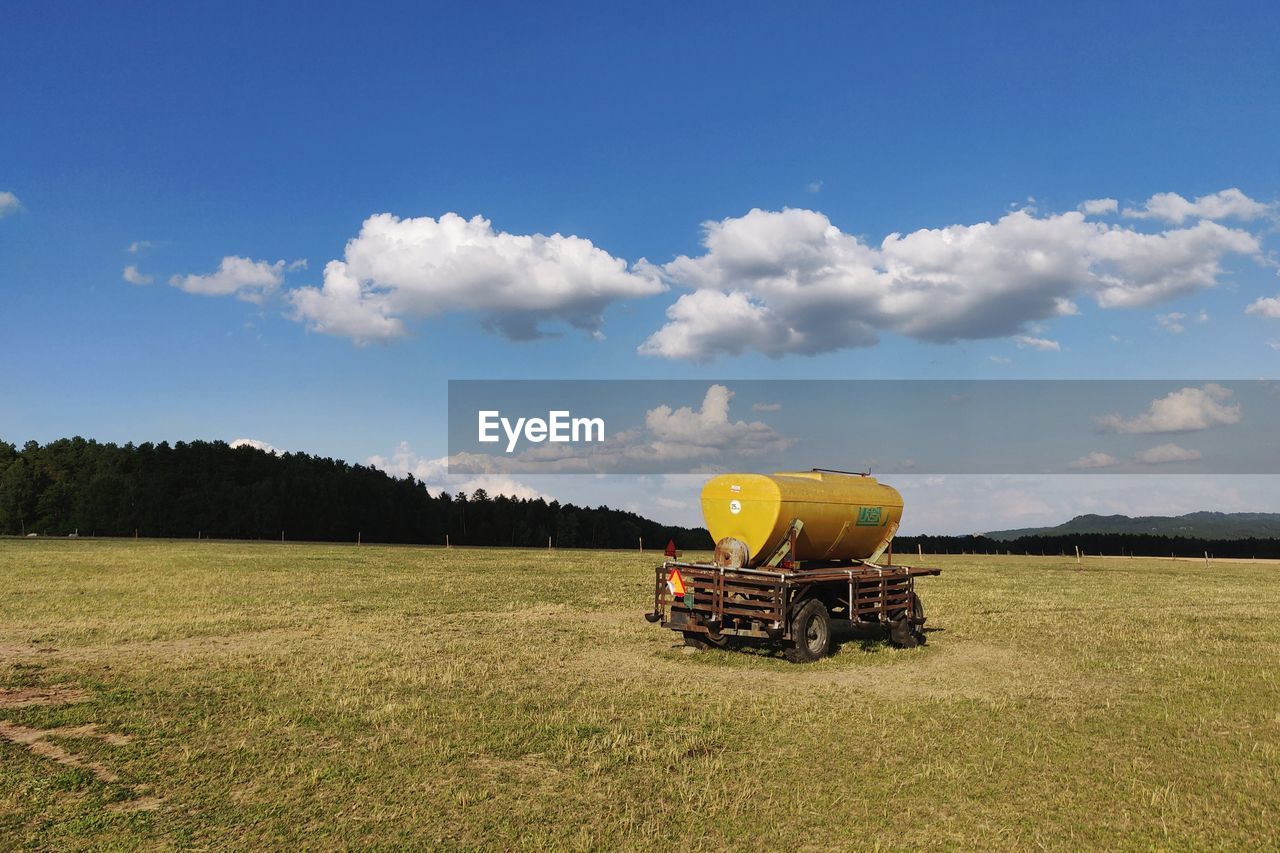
x,y
1193,525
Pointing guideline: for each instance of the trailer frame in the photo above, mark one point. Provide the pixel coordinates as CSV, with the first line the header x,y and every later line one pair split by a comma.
x,y
759,604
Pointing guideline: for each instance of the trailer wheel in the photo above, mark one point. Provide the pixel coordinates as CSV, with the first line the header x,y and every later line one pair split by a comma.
x,y
699,640
917,613
810,632
900,634
905,632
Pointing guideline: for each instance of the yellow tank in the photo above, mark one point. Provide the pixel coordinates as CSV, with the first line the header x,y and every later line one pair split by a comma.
x,y
846,516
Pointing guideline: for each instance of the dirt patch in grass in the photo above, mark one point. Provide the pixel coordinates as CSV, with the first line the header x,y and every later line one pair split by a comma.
x,y
206,644
13,650
533,767
36,741
199,644
972,671
138,804
949,668
30,697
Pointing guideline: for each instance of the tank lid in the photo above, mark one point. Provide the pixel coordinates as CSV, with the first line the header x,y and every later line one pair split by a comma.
x,y
821,474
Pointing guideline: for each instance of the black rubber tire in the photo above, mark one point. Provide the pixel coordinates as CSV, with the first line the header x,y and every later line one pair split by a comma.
x,y
901,634
810,633
907,632
699,640
717,640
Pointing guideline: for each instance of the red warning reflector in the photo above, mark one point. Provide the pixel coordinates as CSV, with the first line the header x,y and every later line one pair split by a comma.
x,y
671,548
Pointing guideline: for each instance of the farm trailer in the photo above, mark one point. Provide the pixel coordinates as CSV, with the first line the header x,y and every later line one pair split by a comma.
x,y
716,607
797,553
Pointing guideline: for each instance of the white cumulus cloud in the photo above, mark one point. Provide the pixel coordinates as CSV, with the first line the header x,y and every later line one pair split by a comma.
x,y
252,281
688,433
1165,453
1096,459
1043,344
1185,410
790,281
1099,206
257,445
1175,322
8,203
1227,204
132,275
1265,306
397,270
434,474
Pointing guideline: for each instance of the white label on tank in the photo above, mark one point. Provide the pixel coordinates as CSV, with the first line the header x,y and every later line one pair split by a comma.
x,y
735,507
735,488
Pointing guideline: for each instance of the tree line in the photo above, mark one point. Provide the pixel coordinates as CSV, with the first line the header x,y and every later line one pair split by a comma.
x,y
210,489
1110,544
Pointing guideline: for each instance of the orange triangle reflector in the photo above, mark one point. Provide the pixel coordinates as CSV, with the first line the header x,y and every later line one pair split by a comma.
x,y
675,583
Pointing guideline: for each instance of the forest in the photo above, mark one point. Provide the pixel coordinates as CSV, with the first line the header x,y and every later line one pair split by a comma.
x,y
1110,544
210,489
213,490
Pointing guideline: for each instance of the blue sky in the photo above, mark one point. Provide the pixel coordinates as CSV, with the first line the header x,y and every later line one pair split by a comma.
x,y
271,132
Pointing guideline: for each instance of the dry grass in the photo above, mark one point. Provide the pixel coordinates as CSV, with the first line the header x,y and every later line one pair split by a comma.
x,y
255,695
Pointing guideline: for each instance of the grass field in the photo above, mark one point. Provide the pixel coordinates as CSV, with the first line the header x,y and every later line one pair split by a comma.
x,y
248,695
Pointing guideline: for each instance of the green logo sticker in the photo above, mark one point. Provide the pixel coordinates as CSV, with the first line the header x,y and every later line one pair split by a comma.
x,y
868,516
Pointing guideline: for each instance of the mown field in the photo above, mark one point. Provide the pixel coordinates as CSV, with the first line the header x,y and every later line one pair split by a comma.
x,y
265,695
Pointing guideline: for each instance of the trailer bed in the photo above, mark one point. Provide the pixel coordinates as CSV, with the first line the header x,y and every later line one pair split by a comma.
x,y
758,604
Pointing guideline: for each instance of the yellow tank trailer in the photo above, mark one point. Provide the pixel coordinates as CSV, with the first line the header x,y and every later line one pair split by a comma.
x,y
797,557
845,517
